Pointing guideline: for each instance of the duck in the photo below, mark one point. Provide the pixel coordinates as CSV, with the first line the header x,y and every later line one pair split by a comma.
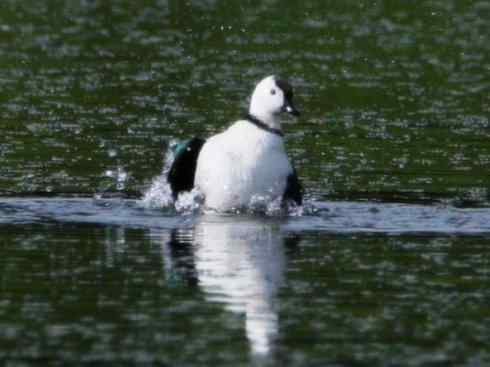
x,y
246,161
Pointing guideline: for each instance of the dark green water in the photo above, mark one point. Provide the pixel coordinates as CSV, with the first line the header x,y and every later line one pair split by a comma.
x,y
240,291
395,99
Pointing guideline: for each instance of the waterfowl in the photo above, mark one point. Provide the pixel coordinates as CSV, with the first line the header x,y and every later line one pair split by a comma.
x,y
245,162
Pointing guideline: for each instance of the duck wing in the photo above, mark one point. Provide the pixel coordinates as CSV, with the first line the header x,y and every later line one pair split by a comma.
x,y
294,189
183,169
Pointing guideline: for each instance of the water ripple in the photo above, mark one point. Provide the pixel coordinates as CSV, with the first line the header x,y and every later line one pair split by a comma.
x,y
329,217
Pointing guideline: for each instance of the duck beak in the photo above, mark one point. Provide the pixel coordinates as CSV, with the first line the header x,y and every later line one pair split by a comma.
x,y
289,108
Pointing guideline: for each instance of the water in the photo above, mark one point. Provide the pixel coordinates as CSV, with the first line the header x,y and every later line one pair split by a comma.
x,y
109,280
387,263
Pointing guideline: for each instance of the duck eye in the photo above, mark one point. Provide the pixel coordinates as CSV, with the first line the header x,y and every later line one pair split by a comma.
x,y
273,91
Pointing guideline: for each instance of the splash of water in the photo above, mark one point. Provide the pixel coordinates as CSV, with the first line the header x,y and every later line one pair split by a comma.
x,y
273,207
120,175
159,195
189,202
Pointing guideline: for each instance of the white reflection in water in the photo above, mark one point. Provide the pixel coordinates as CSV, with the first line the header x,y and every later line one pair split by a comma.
x,y
237,262
242,265
115,244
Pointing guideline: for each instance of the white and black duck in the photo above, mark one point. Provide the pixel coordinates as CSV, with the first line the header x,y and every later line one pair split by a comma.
x,y
246,161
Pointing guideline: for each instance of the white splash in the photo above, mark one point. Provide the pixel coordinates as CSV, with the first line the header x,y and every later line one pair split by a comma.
x,y
189,202
159,195
120,175
260,204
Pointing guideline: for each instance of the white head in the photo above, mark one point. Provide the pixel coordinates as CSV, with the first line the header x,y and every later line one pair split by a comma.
x,y
271,97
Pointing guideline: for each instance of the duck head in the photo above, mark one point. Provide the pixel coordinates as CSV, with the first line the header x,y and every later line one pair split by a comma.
x,y
271,97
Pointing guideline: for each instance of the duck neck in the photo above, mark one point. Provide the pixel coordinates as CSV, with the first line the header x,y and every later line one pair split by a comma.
x,y
262,125
270,119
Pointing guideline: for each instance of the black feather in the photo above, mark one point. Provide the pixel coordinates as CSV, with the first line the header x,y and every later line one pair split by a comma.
x,y
183,170
294,190
286,89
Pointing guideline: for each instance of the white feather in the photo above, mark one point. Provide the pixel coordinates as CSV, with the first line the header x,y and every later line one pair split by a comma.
x,y
240,163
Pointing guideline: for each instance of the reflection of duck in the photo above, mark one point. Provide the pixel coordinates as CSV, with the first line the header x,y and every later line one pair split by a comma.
x,y
179,258
242,265
239,263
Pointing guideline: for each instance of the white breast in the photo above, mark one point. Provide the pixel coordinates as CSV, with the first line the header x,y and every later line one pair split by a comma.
x,y
241,163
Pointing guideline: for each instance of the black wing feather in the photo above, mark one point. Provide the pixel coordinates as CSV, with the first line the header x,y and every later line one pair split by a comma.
x,y
294,190
183,170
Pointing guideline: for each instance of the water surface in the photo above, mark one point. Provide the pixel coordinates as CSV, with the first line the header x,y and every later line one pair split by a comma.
x,y
386,265
108,280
